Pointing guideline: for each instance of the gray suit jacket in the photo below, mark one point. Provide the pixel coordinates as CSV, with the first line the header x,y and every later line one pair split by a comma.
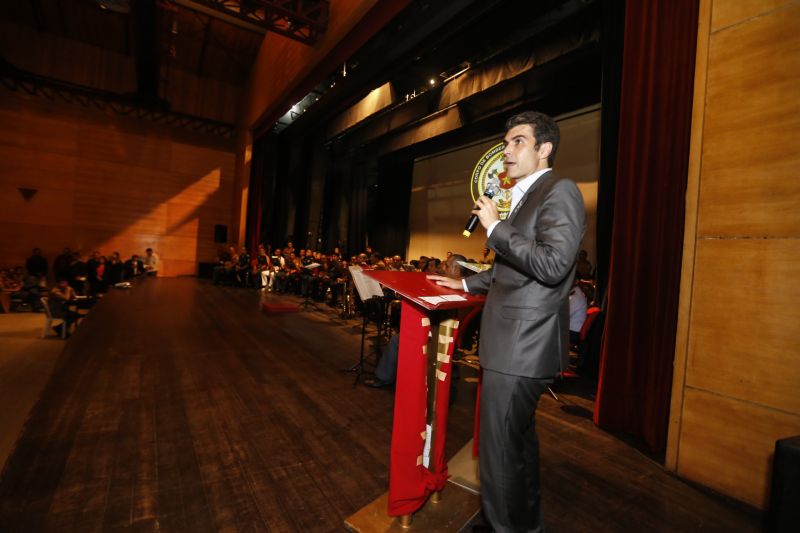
x,y
525,323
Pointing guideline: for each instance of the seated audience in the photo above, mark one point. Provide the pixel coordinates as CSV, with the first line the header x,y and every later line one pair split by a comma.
x,y
225,271
242,268
133,267
60,299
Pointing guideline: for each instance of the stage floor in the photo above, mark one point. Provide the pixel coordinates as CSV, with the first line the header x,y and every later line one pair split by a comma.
x,y
180,406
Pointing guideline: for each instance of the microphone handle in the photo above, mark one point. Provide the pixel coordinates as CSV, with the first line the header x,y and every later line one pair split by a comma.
x,y
472,223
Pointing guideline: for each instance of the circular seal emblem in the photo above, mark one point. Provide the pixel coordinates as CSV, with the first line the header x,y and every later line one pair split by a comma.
x,y
490,169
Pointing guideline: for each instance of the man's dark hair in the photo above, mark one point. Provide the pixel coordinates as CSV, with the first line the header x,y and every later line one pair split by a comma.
x,y
545,130
462,270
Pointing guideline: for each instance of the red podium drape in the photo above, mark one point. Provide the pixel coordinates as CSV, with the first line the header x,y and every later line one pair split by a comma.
x,y
410,481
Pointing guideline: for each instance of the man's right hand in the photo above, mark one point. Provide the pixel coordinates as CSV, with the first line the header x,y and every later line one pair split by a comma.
x,y
444,281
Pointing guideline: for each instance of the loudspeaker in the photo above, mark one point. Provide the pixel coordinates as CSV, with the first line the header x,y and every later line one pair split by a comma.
x,y
220,234
784,507
205,270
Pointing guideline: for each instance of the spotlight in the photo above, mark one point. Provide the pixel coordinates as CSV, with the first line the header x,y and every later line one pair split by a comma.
x,y
432,81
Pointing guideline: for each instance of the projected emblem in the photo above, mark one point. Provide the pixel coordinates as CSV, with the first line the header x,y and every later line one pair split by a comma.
x,y
490,169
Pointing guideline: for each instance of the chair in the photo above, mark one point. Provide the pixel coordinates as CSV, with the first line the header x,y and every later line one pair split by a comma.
x,y
49,318
587,349
578,350
591,315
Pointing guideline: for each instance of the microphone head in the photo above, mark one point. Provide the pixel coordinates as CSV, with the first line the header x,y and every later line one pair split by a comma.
x,y
491,190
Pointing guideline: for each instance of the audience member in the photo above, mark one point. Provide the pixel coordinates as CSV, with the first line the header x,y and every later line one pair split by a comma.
x,y
78,274
133,267
60,300
61,264
583,268
36,266
242,267
115,269
151,262
577,313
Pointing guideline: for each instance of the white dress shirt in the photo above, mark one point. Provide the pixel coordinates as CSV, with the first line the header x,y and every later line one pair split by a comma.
x,y
519,190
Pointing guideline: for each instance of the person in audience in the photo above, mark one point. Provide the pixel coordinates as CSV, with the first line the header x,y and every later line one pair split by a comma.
x,y
151,262
36,266
134,267
577,313
91,273
583,268
60,300
224,257
115,269
376,262
338,277
225,272
262,268
242,267
454,270
100,276
61,264
78,274
8,281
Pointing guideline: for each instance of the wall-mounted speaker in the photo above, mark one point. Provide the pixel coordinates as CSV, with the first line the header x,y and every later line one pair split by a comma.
x,y
784,509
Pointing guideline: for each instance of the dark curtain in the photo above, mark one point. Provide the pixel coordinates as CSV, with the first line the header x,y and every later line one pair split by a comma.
x,y
389,234
647,237
611,39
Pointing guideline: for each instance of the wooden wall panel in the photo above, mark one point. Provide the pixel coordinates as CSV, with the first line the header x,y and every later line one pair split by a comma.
x,y
65,59
109,183
736,388
732,12
727,444
744,324
750,156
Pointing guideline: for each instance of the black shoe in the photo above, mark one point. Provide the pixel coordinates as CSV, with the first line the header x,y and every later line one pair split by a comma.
x,y
481,528
376,383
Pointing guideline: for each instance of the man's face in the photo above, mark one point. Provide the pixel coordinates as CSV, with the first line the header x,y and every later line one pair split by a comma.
x,y
522,157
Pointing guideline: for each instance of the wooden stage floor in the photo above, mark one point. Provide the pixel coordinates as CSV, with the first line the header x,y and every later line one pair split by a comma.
x,y
179,406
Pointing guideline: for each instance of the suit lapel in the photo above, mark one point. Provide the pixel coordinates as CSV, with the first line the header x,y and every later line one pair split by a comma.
x,y
527,195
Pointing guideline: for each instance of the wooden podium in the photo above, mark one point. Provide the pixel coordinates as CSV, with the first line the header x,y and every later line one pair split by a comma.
x,y
428,325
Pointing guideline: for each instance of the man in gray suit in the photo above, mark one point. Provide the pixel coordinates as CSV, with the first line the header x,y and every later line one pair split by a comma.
x,y
525,326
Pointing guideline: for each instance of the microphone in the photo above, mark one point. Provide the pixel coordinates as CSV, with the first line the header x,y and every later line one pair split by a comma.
x,y
491,190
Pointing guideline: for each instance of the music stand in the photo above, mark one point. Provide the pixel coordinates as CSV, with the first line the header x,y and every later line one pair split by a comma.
x,y
307,302
371,294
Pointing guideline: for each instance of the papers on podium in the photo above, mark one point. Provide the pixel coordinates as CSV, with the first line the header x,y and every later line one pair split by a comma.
x,y
475,267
